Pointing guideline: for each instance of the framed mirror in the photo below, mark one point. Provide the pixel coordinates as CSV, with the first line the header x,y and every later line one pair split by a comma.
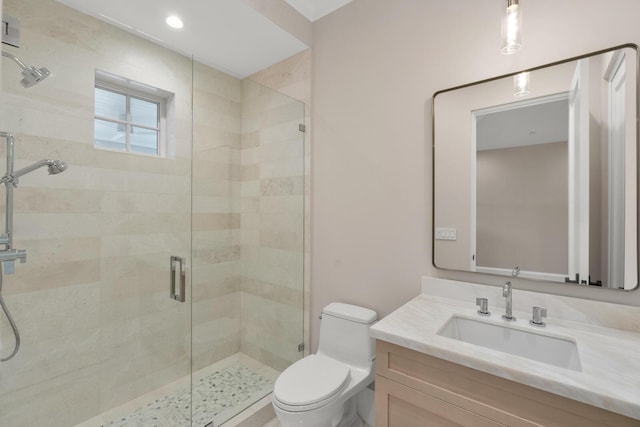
x,y
535,173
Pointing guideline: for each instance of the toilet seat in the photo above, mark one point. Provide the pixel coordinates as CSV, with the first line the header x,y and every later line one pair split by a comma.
x,y
311,382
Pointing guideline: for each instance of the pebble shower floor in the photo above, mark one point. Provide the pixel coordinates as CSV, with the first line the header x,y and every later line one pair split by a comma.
x,y
213,396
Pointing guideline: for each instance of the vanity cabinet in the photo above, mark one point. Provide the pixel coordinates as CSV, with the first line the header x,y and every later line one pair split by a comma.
x,y
417,390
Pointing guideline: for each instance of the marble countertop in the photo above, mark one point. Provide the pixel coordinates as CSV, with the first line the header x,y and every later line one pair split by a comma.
x,y
610,358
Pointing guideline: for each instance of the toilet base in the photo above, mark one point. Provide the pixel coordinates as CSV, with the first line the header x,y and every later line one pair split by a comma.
x,y
347,417
327,416
350,417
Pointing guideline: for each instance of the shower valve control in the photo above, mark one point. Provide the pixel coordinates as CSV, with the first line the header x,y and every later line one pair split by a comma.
x,y
9,258
11,31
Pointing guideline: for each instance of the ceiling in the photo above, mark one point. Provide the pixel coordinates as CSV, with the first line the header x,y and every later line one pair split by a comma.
x,y
316,9
534,124
228,35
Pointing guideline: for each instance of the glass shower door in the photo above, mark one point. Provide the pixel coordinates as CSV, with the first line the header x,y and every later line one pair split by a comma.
x,y
103,343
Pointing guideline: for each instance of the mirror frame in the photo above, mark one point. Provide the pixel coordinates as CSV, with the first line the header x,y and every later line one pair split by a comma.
x,y
491,79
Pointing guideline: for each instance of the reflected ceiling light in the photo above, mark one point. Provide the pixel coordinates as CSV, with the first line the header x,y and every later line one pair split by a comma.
x,y
521,84
512,28
174,22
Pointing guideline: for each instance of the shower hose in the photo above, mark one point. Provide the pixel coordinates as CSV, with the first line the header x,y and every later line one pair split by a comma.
x,y
11,322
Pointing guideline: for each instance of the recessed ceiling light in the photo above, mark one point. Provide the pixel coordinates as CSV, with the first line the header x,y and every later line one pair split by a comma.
x,y
174,22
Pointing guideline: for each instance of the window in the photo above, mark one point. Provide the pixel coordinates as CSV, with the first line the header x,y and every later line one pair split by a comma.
x,y
129,117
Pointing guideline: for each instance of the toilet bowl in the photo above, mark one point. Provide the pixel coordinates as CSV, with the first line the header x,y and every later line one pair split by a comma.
x,y
321,389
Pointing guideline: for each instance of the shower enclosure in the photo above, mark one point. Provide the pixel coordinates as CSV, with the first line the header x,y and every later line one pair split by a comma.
x,y
222,202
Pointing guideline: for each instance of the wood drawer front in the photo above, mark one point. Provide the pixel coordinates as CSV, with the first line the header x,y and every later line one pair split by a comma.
x,y
488,395
401,406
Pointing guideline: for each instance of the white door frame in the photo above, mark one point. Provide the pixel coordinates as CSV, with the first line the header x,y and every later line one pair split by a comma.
x,y
616,79
475,117
579,173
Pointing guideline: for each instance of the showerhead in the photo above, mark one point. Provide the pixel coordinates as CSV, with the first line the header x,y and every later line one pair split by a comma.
x,y
32,75
56,167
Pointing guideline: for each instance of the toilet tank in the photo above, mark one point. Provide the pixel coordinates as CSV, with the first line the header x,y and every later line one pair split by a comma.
x,y
344,334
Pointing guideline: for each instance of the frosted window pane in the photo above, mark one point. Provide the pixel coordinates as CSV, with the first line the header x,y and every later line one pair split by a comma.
x,y
111,104
144,113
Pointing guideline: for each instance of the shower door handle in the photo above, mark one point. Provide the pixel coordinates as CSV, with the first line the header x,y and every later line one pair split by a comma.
x,y
180,297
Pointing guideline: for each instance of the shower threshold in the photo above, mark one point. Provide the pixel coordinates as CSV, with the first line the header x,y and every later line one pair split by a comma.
x,y
220,391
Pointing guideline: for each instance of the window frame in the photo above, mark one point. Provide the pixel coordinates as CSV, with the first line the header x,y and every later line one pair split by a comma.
x,y
128,93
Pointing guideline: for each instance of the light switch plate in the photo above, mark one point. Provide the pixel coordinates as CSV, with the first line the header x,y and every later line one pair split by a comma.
x,y
443,233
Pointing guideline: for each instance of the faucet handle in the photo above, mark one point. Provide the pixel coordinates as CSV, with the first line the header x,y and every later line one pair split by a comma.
x,y
484,306
538,314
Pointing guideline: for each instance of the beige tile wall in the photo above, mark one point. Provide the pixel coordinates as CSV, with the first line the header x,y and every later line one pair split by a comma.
x,y
275,221
216,216
272,225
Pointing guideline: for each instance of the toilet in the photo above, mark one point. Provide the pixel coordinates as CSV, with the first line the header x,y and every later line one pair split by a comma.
x,y
321,389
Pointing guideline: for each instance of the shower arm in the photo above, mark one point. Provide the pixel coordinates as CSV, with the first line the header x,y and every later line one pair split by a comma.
x,y
16,60
14,175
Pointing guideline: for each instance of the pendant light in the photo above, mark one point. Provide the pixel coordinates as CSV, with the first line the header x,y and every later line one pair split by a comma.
x,y
521,84
512,28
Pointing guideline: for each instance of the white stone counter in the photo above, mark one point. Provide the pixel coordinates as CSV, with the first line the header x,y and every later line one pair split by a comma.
x,y
610,357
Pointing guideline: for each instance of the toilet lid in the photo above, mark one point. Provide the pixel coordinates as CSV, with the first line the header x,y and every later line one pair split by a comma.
x,y
311,380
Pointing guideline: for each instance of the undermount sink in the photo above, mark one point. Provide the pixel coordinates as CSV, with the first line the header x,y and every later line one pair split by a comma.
x,y
553,350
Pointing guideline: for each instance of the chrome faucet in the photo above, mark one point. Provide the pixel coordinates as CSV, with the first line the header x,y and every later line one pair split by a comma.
x,y
506,292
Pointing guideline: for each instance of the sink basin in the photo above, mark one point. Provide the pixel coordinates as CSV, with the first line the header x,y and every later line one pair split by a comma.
x,y
553,350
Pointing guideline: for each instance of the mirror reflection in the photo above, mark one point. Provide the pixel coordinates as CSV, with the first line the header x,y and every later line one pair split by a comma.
x,y
537,171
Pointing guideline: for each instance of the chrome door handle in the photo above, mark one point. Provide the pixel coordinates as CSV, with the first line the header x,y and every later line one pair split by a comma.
x,y
180,297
